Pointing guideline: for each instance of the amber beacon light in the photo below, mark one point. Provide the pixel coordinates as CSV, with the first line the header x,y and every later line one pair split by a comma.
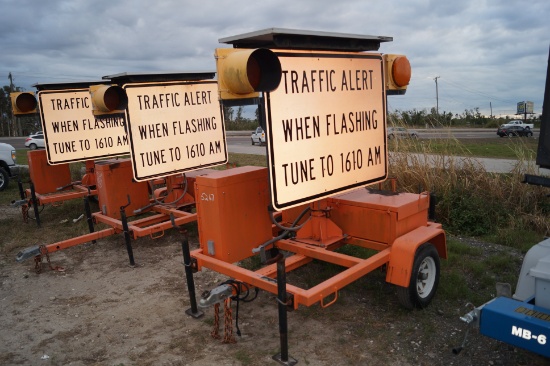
x,y
23,103
107,99
243,73
398,74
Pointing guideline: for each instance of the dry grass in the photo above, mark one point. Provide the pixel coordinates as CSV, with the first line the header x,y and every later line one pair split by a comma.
x,y
467,193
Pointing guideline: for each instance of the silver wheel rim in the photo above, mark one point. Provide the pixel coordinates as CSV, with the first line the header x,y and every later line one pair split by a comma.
x,y
425,279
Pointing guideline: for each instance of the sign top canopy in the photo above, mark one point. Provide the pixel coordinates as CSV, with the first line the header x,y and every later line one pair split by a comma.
x,y
67,85
142,77
293,39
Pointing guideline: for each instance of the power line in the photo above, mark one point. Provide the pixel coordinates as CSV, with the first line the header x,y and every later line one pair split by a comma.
x,y
458,86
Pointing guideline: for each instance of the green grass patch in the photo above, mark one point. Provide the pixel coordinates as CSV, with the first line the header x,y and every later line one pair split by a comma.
x,y
247,159
470,273
504,148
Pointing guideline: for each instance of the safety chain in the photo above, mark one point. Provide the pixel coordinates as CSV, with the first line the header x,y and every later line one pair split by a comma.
x,y
215,332
25,211
228,329
38,261
228,336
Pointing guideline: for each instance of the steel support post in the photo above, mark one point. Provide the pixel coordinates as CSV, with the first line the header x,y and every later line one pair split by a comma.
x,y
89,218
127,237
35,204
283,357
194,311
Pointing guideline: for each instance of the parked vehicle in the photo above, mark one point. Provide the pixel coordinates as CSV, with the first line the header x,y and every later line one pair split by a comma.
x,y
519,123
34,142
514,131
258,136
7,163
393,132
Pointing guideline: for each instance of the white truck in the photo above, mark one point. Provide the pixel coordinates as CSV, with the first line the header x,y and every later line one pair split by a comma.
x,y
519,123
7,163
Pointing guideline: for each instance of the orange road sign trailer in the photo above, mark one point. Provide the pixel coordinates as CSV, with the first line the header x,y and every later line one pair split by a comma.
x,y
393,224
235,222
52,184
120,197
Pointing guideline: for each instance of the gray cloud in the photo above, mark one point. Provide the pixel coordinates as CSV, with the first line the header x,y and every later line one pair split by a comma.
x,y
484,51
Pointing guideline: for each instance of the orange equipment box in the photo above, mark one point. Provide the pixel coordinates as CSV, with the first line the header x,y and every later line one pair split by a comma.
x,y
377,217
114,183
172,193
47,178
232,212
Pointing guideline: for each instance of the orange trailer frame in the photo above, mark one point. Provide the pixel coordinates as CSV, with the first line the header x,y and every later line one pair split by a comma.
x,y
398,256
51,185
233,225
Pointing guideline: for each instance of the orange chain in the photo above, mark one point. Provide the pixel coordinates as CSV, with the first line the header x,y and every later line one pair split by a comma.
x,y
228,317
25,211
38,261
215,332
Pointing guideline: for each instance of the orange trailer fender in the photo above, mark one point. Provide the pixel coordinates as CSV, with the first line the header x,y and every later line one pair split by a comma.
x,y
404,249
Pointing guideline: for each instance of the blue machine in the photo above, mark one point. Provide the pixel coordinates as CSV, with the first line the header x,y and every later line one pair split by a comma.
x,y
523,319
518,323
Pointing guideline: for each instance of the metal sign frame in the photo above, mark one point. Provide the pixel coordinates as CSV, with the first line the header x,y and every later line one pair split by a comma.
x,y
82,147
188,152
337,104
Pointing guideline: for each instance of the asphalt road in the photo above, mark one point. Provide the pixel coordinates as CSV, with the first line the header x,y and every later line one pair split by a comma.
x,y
242,138
239,142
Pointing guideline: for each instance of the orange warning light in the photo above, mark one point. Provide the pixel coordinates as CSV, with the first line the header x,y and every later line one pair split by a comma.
x,y
398,74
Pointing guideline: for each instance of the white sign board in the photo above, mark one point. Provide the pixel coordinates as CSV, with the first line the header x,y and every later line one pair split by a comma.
x,y
72,132
326,126
174,127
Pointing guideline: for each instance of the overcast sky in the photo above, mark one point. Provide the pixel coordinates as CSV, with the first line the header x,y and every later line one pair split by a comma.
x,y
492,52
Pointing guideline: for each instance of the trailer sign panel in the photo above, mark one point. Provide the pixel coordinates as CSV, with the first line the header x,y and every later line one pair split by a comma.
x,y
174,127
72,132
326,126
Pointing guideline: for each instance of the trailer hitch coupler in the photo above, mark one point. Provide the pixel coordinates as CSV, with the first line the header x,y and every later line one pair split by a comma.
x,y
215,296
28,253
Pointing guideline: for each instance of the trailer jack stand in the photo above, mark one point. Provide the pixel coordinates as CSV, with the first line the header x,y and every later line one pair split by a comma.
x,y
470,319
283,358
193,311
126,230
34,201
457,350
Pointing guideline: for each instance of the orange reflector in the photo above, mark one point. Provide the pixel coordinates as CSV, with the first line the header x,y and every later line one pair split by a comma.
x,y
401,71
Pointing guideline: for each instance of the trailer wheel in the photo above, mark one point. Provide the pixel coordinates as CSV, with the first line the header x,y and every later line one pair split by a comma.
x,y
424,279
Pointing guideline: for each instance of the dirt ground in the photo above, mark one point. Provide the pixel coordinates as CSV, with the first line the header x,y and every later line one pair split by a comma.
x,y
101,311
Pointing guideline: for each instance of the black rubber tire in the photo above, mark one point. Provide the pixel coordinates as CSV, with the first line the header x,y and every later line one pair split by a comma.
x,y
251,140
32,146
421,289
4,179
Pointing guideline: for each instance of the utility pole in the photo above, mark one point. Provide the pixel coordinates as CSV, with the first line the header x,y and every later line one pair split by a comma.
x,y
436,96
491,106
11,126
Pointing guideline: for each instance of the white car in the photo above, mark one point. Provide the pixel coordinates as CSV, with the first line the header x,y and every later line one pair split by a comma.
x,y
258,136
394,132
34,142
7,164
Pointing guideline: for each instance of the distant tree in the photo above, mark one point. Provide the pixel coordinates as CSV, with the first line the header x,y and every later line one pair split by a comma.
x,y
239,116
5,111
228,114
